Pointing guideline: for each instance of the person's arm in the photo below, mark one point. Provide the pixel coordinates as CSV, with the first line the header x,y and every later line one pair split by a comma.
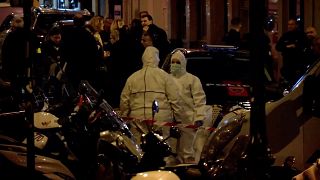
x,y
175,100
199,99
125,100
302,41
280,46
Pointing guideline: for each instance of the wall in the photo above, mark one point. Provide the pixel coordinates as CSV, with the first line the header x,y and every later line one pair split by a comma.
x,y
312,13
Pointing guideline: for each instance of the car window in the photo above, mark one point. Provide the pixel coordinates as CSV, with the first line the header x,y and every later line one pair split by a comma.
x,y
44,22
224,76
219,67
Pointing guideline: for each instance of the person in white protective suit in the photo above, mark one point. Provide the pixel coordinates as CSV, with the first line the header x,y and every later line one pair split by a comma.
x,y
146,85
194,97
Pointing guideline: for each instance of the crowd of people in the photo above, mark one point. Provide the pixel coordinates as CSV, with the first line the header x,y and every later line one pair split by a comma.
x,y
124,62
289,55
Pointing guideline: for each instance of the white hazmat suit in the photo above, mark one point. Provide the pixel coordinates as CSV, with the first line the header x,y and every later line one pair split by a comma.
x,y
148,84
194,99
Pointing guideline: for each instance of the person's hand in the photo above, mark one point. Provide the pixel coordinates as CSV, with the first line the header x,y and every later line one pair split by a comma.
x,y
5,83
59,75
106,54
291,46
198,123
29,87
53,68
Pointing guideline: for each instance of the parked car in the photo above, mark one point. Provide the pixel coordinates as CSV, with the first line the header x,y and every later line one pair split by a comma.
x,y
43,19
226,74
223,71
5,10
65,26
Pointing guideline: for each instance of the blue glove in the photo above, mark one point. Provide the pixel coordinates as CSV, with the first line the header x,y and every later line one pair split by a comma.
x,y
198,123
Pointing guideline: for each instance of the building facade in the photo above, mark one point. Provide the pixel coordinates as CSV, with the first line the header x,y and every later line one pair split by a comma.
x,y
195,22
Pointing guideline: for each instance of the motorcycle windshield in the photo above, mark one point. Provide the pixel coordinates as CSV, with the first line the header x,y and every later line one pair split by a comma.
x,y
213,151
86,89
114,119
107,118
104,117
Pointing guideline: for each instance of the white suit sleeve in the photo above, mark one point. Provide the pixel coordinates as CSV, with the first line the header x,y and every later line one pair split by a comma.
x,y
125,100
199,99
174,98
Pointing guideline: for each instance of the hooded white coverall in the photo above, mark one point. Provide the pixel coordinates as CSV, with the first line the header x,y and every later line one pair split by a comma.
x,y
148,84
194,98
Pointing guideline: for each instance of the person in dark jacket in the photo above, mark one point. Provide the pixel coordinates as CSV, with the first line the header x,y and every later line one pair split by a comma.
x,y
81,53
119,68
311,34
51,53
292,45
136,48
49,70
160,38
16,60
233,37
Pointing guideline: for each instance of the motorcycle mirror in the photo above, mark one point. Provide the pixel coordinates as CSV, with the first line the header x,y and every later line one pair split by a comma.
x,y
155,108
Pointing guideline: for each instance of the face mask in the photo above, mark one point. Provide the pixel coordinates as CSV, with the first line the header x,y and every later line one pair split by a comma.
x,y
175,69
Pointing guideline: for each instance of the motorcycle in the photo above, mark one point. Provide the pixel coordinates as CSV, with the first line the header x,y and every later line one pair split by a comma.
x,y
14,152
13,165
94,122
102,141
225,147
105,148
92,134
50,150
45,119
160,174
